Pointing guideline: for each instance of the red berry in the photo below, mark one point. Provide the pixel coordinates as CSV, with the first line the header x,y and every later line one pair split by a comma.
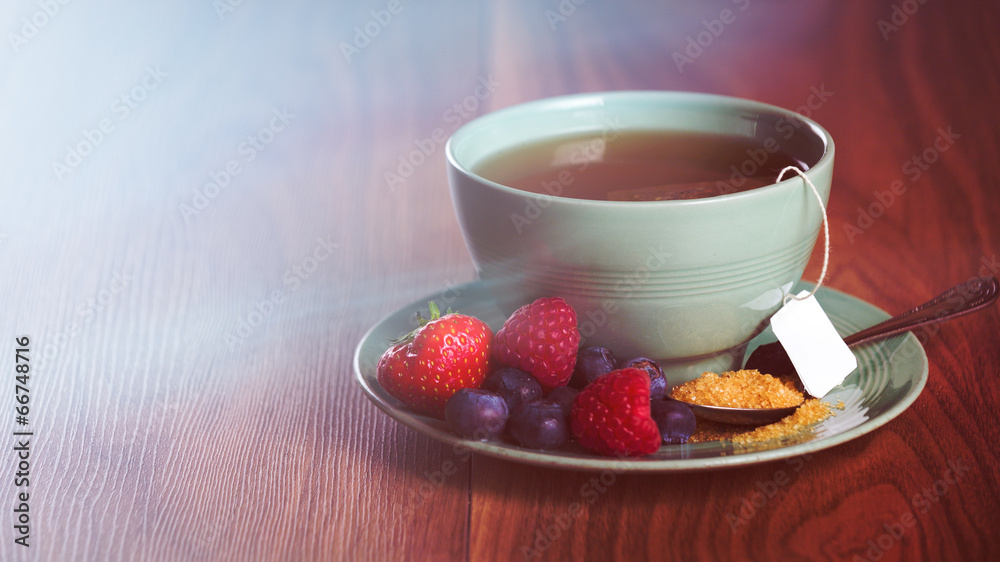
x,y
542,339
446,354
612,417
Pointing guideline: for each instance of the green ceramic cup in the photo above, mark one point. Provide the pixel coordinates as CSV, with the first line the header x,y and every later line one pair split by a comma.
x,y
686,282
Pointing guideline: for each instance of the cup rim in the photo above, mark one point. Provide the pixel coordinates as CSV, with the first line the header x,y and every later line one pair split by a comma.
x,y
591,99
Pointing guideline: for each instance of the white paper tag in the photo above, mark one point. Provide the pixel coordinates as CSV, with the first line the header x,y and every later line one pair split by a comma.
x,y
817,351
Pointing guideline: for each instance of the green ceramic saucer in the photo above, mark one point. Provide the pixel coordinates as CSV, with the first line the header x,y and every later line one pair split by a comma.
x,y
890,376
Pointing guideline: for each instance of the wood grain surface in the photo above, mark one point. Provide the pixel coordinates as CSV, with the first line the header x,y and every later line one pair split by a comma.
x,y
197,227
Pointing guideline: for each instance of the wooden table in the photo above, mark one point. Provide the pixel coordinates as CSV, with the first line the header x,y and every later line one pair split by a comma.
x,y
197,227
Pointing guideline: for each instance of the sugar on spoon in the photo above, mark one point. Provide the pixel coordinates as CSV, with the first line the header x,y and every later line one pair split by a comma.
x,y
771,358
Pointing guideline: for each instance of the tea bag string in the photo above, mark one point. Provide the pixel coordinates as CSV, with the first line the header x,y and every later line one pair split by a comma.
x,y
826,233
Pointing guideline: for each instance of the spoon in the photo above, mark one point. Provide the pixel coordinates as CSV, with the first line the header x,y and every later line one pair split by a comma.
x,y
771,358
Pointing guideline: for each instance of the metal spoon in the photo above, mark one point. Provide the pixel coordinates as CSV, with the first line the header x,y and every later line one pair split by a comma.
x,y
771,358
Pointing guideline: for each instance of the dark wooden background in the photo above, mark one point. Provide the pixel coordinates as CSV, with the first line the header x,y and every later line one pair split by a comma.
x,y
169,428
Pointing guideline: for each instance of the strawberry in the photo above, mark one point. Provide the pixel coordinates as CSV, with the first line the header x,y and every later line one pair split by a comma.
x,y
612,416
427,366
540,338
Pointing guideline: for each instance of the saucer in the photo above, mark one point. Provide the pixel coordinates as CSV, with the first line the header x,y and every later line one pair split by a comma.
x,y
890,375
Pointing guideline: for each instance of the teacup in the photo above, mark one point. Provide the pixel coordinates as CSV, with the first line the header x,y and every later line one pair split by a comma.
x,y
686,282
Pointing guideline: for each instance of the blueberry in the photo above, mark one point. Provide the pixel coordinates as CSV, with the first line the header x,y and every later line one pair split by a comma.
x,y
675,420
563,396
476,413
539,425
657,382
515,386
591,362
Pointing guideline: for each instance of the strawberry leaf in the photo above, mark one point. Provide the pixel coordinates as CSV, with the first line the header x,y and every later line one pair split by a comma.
x,y
435,311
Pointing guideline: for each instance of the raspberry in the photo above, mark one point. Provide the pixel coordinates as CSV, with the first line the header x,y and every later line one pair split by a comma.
x,y
542,339
612,415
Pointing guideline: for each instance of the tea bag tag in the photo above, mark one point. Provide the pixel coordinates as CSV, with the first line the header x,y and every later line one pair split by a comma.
x,y
819,355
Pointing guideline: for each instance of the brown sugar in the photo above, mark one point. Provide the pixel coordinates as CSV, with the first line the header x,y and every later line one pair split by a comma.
x,y
750,389
738,389
812,411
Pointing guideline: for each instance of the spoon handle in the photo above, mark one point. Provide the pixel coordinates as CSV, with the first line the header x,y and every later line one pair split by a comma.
x,y
960,299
